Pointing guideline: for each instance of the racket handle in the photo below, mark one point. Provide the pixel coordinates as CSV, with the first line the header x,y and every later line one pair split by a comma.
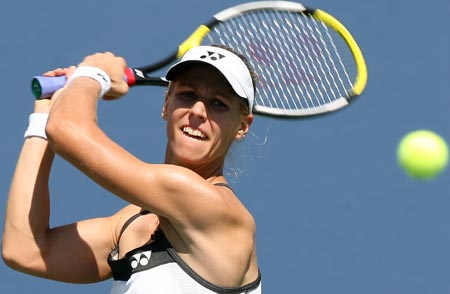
x,y
44,87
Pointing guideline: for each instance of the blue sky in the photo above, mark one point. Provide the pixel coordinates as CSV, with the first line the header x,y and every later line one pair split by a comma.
x,y
334,212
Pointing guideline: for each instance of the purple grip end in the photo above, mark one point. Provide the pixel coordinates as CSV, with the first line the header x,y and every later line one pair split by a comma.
x,y
48,85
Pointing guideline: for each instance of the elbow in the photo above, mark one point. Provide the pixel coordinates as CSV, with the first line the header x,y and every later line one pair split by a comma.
x,y
11,262
23,256
61,134
11,257
55,132
6,255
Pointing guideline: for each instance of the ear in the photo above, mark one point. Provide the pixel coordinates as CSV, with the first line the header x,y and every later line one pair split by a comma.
x,y
164,114
244,127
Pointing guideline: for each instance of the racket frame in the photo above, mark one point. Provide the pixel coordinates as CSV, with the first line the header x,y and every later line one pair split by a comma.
x,y
139,76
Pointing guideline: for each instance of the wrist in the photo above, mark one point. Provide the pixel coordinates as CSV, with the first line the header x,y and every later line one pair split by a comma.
x,y
94,73
42,105
36,125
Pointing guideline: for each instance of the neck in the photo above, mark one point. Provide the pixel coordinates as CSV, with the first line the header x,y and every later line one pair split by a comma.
x,y
209,171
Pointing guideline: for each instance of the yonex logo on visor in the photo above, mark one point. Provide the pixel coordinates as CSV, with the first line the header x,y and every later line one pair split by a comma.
x,y
213,56
229,64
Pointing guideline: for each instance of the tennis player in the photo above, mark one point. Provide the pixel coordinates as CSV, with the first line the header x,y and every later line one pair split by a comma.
x,y
184,230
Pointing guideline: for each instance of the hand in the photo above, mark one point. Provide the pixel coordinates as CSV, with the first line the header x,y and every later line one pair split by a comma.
x,y
44,105
115,67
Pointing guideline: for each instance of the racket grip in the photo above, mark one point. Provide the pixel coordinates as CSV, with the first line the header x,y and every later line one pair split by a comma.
x,y
44,87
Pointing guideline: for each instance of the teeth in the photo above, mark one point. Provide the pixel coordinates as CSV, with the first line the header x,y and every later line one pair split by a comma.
x,y
194,133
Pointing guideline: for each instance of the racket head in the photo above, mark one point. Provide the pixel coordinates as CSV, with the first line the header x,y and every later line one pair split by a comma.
x,y
306,61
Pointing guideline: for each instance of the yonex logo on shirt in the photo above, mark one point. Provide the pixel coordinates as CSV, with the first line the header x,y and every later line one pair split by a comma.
x,y
140,259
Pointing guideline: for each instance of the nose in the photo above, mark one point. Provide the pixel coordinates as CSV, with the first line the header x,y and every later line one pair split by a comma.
x,y
198,110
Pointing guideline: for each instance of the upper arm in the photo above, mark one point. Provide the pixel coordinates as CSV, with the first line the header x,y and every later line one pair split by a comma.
x,y
173,192
78,252
75,253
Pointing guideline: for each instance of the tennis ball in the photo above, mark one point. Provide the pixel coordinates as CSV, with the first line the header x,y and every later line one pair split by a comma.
x,y
423,154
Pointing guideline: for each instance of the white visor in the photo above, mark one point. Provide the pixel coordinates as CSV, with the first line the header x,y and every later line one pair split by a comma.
x,y
229,64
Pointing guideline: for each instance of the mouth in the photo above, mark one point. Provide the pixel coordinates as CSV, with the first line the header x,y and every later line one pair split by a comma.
x,y
194,133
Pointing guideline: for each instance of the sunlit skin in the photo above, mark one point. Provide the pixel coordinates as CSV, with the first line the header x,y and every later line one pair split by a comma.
x,y
201,99
201,220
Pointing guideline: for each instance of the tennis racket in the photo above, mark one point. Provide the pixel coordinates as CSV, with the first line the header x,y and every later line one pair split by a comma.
x,y
307,62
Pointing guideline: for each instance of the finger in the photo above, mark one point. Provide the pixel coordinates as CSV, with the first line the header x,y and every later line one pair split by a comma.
x,y
70,71
57,72
119,90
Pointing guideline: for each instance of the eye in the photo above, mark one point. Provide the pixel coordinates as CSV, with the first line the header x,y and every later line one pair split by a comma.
x,y
218,105
187,96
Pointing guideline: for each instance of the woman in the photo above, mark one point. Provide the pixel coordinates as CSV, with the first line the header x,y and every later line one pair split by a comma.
x,y
185,231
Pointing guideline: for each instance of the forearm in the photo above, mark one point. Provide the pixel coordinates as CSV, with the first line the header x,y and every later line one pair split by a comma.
x,y
77,104
27,211
72,127
73,119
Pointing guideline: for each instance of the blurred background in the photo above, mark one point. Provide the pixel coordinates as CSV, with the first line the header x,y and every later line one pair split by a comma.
x,y
334,212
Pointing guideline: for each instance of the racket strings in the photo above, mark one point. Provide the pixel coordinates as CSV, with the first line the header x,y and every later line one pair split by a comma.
x,y
328,39
348,81
266,39
302,65
313,58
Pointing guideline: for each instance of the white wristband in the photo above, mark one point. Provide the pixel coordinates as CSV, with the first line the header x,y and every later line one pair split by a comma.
x,y
94,73
36,125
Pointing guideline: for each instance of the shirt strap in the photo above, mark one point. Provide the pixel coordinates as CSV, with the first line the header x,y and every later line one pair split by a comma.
x,y
130,220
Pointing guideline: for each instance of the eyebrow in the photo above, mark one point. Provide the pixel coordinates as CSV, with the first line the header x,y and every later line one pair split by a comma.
x,y
228,94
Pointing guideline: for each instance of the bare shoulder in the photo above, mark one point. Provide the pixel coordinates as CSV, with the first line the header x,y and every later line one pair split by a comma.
x,y
234,205
134,228
224,250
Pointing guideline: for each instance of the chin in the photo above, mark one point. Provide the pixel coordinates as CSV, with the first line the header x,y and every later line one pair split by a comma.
x,y
193,160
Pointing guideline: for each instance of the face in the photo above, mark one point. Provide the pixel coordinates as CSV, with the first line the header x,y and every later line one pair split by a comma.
x,y
204,117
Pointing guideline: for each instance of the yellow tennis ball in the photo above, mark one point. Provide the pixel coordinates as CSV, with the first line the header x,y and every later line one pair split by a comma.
x,y
423,154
